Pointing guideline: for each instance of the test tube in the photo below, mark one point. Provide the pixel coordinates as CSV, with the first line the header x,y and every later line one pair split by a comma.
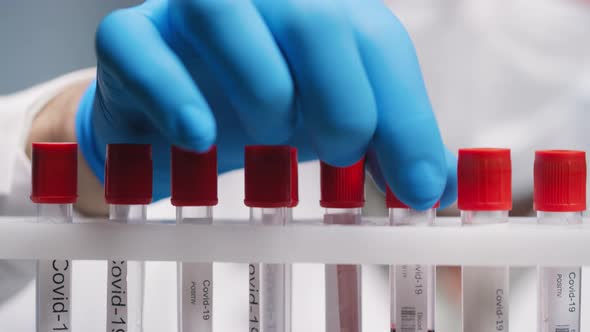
x,y
128,190
268,194
413,286
194,193
342,194
485,197
54,190
560,199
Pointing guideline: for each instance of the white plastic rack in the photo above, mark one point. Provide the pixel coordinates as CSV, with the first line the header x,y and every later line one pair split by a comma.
x,y
518,243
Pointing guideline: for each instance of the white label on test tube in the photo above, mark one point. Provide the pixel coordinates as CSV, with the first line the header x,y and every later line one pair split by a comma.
x,y
343,282
412,290
413,286
559,287
54,294
560,299
54,278
254,297
195,280
485,289
485,299
125,280
117,318
269,284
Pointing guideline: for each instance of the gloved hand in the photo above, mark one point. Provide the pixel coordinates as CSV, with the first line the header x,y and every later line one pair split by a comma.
x,y
334,78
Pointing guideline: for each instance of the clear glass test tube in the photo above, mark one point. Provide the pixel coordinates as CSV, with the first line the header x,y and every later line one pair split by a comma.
x,y
559,199
413,286
194,193
126,279
270,284
343,196
54,278
195,280
484,198
54,169
269,187
128,190
343,281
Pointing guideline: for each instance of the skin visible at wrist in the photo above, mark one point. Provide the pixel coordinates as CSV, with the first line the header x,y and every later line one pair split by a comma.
x,y
56,123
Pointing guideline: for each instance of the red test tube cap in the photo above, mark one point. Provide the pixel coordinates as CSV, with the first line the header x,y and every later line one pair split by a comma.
x,y
393,202
194,177
484,179
294,179
128,174
560,181
343,187
54,173
267,176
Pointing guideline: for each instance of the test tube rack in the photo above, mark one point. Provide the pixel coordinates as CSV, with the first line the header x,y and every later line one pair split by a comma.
x,y
520,242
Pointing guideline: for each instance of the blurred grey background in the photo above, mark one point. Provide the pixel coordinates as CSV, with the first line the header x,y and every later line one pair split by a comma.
x,y
41,39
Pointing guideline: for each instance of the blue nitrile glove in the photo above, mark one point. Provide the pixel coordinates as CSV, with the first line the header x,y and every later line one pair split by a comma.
x,y
332,77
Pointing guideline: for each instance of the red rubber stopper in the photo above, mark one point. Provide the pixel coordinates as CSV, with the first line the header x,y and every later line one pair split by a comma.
x,y
294,179
267,175
128,174
560,181
343,187
54,173
393,202
194,177
484,179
